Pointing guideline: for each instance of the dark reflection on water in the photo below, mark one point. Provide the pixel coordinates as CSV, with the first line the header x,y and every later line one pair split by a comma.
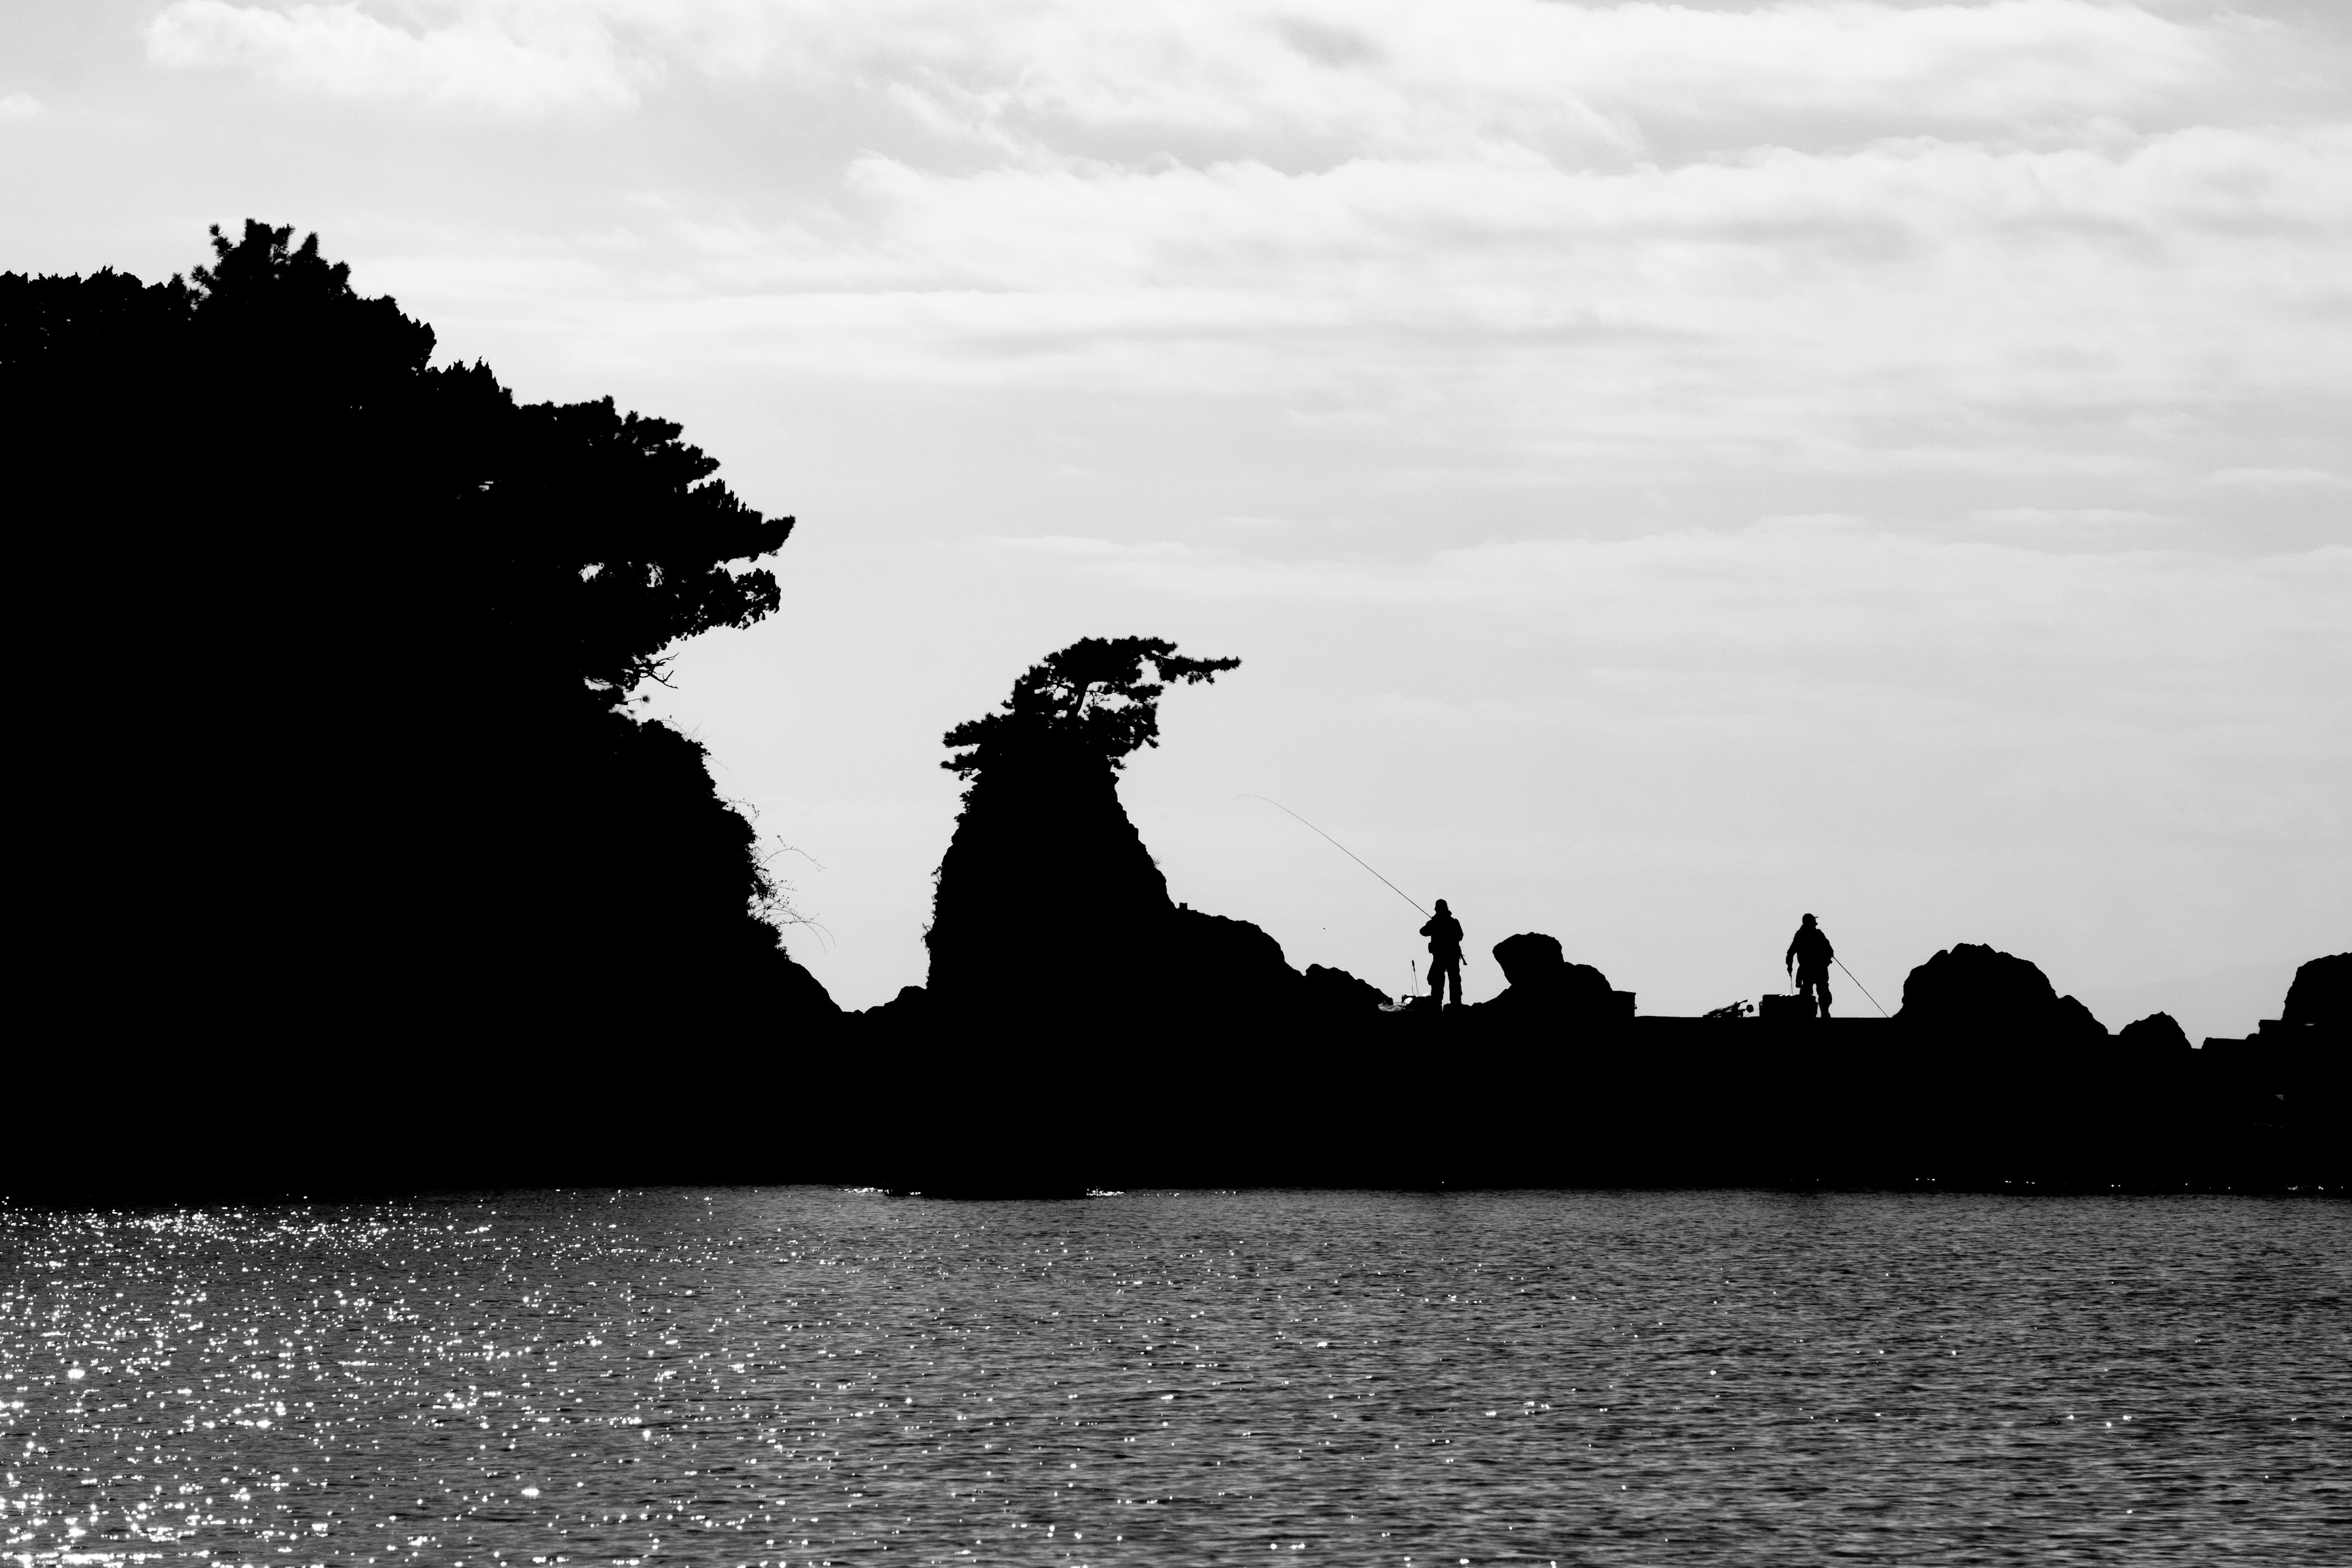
x,y
809,1376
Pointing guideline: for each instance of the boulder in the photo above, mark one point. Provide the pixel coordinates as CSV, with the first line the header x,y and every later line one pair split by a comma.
x,y
1542,981
1335,994
1530,958
2157,1036
1994,998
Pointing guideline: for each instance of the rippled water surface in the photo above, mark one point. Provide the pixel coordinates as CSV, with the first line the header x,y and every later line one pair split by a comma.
x,y
802,1376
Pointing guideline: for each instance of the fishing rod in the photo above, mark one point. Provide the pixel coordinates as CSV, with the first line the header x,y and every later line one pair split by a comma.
x,y
1858,985
1343,849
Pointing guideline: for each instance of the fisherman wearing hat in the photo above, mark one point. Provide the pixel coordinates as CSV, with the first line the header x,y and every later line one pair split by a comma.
x,y
1809,958
1445,934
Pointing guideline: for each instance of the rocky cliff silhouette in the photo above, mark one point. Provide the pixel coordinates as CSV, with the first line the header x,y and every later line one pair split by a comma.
x,y
2293,1075
371,634
1079,1028
347,864
2321,998
346,845
1048,906
1046,900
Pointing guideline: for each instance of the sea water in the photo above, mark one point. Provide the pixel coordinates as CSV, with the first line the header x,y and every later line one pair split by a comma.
x,y
802,1375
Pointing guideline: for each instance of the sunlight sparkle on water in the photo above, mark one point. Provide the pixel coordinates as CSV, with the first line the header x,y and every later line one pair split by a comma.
x,y
799,1375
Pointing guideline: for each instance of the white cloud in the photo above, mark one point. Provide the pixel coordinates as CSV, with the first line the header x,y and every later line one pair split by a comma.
x,y
1829,584
19,106
510,58
1377,76
2033,518
1915,306
1404,74
1245,224
2274,479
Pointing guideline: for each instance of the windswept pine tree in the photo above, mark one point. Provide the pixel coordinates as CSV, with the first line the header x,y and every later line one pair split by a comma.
x,y
337,652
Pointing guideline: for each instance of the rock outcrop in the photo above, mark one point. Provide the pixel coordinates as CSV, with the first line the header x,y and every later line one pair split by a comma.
x,y
2157,1038
1046,897
2296,1071
1048,906
1995,1001
2320,996
1543,984
1337,995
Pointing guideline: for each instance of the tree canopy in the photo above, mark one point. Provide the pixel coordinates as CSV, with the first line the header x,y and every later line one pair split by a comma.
x,y
1092,699
288,448
359,630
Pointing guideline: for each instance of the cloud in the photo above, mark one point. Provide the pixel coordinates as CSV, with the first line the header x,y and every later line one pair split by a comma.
x,y
2068,241
1917,305
1247,224
1957,644
1377,76
1434,354
2273,479
19,106
2024,517
507,58
1394,74
1834,578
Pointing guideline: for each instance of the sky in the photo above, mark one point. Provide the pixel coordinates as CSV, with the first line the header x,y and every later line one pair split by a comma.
x,y
1665,469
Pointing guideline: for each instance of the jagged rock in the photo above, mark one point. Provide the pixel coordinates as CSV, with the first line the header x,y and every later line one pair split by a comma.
x,y
1046,894
1223,963
1336,993
1049,903
798,995
2321,996
2294,1071
1975,991
1542,980
1049,906
2157,1034
910,1005
1530,958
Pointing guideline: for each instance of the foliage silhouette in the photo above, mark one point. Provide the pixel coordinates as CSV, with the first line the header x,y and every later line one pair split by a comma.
x,y
1090,699
357,633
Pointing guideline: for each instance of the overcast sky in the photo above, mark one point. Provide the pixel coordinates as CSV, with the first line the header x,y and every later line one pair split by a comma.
x,y
1665,469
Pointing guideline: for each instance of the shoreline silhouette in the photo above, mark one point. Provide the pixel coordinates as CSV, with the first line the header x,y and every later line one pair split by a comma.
x,y
441,911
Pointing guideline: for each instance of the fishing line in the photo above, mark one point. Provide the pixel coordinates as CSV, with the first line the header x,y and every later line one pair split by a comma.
x,y
1858,985
1351,854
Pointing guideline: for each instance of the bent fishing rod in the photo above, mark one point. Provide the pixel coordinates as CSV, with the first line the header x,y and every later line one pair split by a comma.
x,y
1343,849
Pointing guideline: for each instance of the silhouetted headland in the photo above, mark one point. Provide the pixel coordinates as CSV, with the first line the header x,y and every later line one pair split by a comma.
x,y
341,848
1079,1030
347,865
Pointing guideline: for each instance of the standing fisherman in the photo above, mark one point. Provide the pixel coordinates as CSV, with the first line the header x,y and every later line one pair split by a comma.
x,y
1808,959
1445,934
